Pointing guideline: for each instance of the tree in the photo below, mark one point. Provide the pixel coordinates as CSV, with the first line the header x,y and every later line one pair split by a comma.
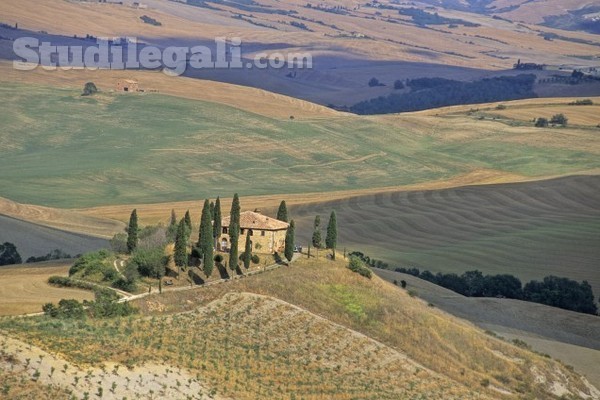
x,y
374,82
398,84
331,238
188,223
234,231
235,211
289,241
89,89
233,251
148,262
171,232
282,213
206,239
132,231
181,256
559,119
316,237
9,254
541,122
217,219
212,210
247,257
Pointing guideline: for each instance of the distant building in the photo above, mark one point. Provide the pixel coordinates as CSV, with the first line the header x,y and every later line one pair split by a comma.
x,y
267,234
127,85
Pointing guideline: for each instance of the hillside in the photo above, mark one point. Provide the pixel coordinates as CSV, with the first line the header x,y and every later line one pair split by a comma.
x,y
564,335
529,230
351,42
35,240
272,334
146,148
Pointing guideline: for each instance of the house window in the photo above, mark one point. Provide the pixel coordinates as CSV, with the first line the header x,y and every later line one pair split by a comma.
x,y
242,231
262,233
224,229
250,233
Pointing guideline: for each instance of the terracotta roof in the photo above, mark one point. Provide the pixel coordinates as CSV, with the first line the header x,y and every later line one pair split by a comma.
x,y
254,220
129,81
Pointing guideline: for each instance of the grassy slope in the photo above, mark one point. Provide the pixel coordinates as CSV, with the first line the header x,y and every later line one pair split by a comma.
x,y
250,347
565,335
154,148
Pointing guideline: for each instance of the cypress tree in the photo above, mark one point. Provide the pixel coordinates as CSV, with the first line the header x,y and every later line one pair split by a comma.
x,y
188,221
173,218
331,238
234,231
247,252
180,257
171,232
212,210
289,241
217,219
233,251
282,213
316,237
235,211
132,232
205,240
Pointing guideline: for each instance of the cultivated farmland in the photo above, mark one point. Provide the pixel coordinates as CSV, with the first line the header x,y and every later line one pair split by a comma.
x,y
529,230
125,149
25,288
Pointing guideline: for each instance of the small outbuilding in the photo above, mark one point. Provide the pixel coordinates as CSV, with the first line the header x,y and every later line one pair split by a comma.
x,y
127,85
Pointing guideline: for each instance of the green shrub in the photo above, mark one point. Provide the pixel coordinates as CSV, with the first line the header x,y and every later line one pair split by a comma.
x,y
218,258
255,259
541,122
63,281
125,284
356,265
92,261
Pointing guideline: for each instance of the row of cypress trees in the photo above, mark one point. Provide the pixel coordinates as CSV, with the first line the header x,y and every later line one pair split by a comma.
x,y
210,228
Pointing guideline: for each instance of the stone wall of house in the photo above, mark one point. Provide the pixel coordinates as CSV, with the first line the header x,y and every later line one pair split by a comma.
x,y
269,243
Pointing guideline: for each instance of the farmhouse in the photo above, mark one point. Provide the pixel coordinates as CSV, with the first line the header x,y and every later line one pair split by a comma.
x,y
267,234
127,85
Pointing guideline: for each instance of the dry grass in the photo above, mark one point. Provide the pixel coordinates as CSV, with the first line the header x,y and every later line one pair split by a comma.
x,y
458,46
25,288
160,212
289,344
249,99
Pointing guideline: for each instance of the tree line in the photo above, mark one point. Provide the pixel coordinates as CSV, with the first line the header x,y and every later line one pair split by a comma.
x,y
439,92
552,290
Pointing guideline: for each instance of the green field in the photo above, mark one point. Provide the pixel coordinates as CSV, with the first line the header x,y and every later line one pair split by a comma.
x,y
60,149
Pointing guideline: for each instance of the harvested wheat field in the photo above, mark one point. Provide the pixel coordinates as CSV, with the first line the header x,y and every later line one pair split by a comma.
x,y
25,288
529,230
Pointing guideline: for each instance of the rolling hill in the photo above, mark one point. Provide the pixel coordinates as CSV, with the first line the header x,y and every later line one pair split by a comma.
x,y
351,42
312,330
145,148
529,230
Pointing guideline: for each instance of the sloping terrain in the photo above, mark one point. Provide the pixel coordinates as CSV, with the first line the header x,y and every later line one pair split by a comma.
x,y
37,240
148,148
350,42
529,230
565,335
286,334
25,288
